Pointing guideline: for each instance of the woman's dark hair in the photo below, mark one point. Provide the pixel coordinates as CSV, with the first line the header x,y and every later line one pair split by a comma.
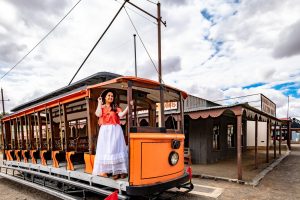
x,y
113,105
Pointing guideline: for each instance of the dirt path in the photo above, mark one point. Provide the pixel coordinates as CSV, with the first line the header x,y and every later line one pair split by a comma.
x,y
282,183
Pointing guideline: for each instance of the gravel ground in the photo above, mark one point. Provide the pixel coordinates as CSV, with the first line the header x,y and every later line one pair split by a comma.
x,y
10,190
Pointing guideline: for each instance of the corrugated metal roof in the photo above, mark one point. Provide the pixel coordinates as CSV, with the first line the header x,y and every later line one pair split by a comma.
x,y
211,108
81,84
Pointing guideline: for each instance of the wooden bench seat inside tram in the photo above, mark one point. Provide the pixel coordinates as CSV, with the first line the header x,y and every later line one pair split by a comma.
x,y
57,154
77,147
34,155
10,155
45,154
18,155
25,155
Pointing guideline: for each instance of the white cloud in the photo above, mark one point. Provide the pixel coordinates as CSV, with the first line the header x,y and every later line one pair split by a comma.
x,y
247,30
288,42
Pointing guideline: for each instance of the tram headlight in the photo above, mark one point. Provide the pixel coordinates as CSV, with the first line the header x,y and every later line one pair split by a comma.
x,y
173,158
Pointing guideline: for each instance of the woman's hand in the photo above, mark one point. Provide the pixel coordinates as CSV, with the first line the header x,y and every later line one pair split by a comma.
x,y
100,100
131,102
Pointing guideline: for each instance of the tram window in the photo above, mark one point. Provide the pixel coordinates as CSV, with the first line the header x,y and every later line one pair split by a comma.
x,y
171,123
144,122
12,130
78,128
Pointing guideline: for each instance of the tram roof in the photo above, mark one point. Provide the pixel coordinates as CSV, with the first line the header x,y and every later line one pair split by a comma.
x,y
74,87
140,81
80,89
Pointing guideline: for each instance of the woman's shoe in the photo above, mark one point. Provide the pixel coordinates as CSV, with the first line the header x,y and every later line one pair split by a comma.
x,y
115,177
123,176
104,175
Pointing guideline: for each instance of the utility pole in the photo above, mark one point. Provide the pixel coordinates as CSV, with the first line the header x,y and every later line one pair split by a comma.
x,y
159,21
162,105
135,64
2,99
288,107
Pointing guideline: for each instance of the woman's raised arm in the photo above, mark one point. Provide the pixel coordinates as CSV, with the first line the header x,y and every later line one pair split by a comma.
x,y
98,112
125,111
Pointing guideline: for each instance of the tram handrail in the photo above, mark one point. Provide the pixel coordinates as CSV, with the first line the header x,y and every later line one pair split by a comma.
x,y
81,185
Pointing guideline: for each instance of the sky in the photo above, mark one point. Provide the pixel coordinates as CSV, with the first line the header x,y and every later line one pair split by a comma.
x,y
211,49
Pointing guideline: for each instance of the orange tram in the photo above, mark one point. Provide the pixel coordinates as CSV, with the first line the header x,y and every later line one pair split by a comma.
x,y
50,143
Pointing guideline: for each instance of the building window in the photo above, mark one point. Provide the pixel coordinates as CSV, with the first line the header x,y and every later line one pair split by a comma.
x,y
216,137
230,136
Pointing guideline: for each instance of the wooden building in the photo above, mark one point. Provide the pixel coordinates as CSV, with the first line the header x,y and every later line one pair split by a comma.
x,y
214,132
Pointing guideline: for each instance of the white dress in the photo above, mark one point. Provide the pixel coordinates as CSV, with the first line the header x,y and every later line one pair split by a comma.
x,y
111,154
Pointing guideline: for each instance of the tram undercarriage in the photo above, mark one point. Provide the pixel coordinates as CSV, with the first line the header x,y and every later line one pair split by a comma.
x,y
71,185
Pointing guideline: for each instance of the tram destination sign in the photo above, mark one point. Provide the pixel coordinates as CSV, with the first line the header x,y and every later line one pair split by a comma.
x,y
168,106
268,106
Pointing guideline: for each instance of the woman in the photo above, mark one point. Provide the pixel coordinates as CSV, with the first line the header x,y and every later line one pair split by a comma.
x,y
111,154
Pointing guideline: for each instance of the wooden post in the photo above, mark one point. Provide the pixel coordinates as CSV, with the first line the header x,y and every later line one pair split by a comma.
x,y
256,132
40,131
181,113
15,134
67,130
46,127
2,141
129,120
239,147
51,129
91,106
129,98
274,139
289,134
135,115
268,139
60,128
27,132
31,133
280,139
35,131
22,133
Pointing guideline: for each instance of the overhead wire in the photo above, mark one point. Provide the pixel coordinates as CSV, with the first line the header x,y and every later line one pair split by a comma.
x,y
151,2
237,97
41,40
111,22
163,85
141,40
138,13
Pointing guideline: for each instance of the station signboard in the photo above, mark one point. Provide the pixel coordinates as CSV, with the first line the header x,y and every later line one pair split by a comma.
x,y
268,106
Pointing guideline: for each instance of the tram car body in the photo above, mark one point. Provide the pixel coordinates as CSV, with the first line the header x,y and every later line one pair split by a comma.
x,y
57,136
